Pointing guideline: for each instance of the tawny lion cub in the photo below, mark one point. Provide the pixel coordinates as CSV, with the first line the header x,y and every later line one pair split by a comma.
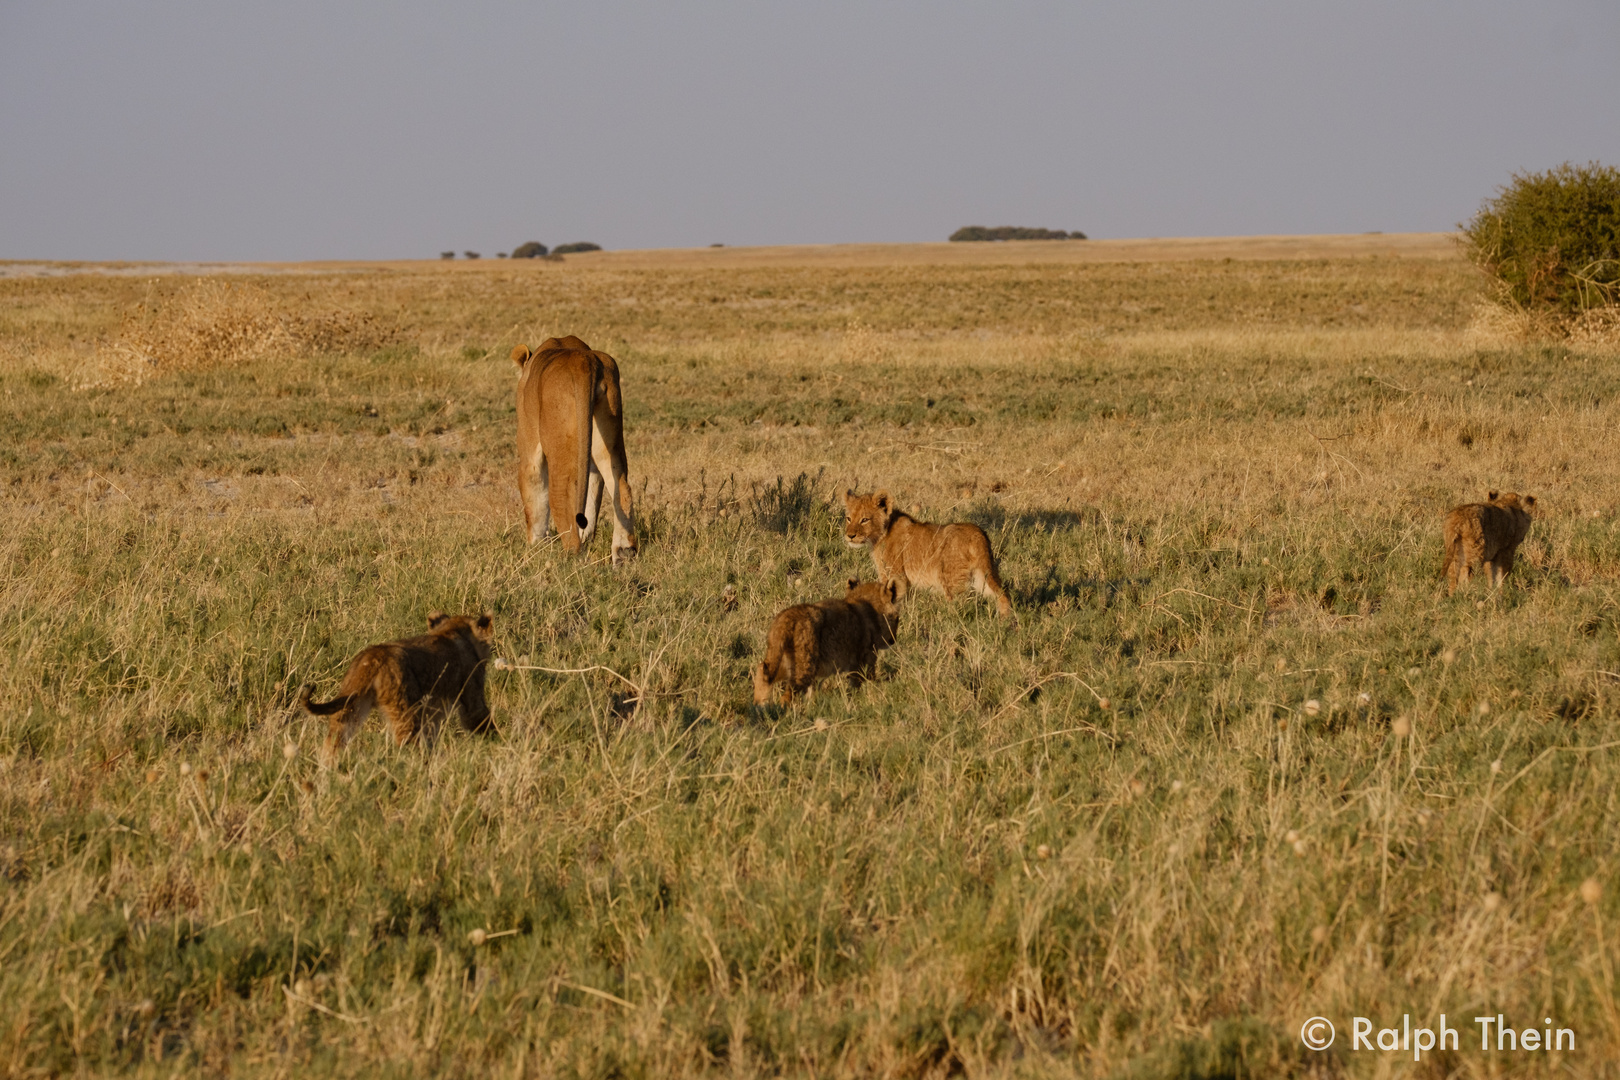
x,y
915,553
416,682
1486,536
812,641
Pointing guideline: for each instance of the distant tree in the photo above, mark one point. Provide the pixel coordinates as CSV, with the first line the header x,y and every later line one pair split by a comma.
x,y
472,254
1013,232
569,249
447,254
534,249
717,245
500,255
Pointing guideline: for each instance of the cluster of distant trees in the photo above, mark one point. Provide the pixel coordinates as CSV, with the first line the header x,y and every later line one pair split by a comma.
x,y
1013,232
534,249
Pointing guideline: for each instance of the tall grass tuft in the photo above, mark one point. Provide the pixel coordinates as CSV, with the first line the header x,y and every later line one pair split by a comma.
x,y
788,507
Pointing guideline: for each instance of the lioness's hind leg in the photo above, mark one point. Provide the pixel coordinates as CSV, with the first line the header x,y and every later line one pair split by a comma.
x,y
593,502
609,475
534,484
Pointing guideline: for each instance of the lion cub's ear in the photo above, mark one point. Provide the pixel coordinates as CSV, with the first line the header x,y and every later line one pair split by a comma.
x,y
520,355
1529,502
882,500
435,619
1490,496
485,626
891,589
849,497
851,583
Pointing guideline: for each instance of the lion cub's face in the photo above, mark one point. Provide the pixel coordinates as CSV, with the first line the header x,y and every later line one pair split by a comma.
x,y
868,519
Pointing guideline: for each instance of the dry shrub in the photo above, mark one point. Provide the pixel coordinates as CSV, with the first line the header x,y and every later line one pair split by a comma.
x,y
212,323
1506,323
1597,326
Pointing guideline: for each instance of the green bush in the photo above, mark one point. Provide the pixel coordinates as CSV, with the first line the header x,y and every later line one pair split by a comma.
x,y
1013,232
569,249
1552,240
534,249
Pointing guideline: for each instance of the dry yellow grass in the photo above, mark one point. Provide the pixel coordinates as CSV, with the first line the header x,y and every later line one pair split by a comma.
x,y
1242,761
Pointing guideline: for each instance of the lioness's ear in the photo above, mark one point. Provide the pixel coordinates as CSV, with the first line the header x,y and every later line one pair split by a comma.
x,y
435,619
851,583
1490,496
484,624
1529,502
520,355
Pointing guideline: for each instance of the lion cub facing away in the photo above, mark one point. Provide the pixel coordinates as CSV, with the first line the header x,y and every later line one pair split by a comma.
x,y
1486,536
943,557
415,681
812,641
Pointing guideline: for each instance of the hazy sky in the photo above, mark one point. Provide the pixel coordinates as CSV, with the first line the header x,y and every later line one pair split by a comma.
x,y
307,130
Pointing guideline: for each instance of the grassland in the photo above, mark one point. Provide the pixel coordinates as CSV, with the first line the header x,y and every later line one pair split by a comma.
x,y
1111,841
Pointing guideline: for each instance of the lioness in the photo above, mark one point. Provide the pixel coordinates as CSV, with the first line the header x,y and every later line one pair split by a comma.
x,y
1486,535
570,414
943,557
812,641
416,682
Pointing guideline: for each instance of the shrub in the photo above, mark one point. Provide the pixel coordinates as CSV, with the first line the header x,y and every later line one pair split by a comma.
x,y
1013,232
569,249
1551,241
447,254
472,254
534,249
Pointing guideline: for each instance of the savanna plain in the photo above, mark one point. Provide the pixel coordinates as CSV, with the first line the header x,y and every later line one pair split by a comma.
x,y
1240,761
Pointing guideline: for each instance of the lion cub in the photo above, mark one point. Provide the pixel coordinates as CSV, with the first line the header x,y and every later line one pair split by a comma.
x,y
1486,535
943,557
415,681
812,641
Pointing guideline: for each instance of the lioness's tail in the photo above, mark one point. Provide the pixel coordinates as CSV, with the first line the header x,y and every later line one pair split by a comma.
x,y
326,708
582,474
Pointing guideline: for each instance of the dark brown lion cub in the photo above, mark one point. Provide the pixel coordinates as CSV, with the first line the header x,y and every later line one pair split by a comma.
x,y
812,641
1486,536
416,682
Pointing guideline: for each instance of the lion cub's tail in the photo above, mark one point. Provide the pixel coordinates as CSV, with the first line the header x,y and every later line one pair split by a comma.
x,y
1454,553
769,671
320,708
762,684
